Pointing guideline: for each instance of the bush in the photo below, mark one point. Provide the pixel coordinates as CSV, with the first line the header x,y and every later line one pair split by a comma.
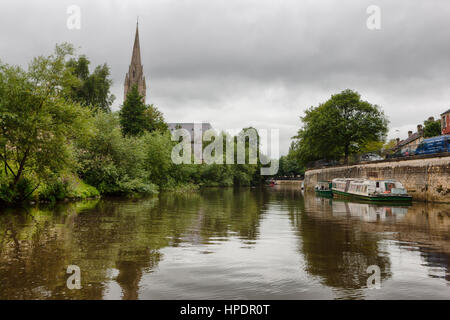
x,y
58,189
79,189
112,163
10,193
66,186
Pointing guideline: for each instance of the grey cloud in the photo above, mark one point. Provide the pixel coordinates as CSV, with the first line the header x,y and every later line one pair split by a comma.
x,y
239,63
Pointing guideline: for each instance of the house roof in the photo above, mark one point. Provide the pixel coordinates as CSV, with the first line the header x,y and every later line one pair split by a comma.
x,y
410,139
448,111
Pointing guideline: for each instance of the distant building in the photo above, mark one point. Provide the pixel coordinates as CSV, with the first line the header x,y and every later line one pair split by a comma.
x,y
135,75
445,122
201,128
196,130
411,143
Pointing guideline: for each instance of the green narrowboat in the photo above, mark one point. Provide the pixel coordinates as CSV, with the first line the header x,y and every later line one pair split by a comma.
x,y
323,189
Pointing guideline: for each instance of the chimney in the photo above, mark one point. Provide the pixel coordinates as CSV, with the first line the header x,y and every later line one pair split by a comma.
x,y
398,141
431,119
410,133
420,129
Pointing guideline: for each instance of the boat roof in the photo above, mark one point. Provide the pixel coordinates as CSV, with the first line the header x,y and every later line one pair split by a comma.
x,y
362,180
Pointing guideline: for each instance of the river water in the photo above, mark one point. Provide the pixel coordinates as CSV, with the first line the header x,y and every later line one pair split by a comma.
x,y
261,243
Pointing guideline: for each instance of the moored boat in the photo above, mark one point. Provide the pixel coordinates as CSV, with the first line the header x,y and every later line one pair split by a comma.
x,y
323,188
371,190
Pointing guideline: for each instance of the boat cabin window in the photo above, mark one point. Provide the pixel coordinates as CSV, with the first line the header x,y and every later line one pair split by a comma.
x,y
389,186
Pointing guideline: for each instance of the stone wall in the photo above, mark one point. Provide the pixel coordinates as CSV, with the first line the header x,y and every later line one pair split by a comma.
x,y
425,179
290,182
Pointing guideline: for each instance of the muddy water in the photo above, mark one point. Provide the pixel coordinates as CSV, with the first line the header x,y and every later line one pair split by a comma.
x,y
269,243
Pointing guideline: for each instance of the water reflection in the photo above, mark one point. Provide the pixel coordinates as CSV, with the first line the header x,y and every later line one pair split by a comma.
x,y
222,243
368,212
362,230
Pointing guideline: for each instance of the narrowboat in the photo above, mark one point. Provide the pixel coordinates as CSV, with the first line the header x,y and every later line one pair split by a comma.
x,y
323,189
370,190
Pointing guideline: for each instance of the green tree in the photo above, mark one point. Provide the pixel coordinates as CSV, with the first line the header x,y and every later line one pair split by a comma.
x,y
372,146
389,147
92,90
113,163
136,117
132,115
289,167
154,119
340,126
432,128
38,124
158,160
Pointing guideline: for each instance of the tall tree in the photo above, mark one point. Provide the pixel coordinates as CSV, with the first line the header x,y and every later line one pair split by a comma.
x,y
154,119
132,115
136,117
37,122
158,162
340,126
432,128
92,90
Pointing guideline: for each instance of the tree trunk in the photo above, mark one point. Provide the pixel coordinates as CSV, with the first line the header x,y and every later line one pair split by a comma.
x,y
346,151
21,166
6,163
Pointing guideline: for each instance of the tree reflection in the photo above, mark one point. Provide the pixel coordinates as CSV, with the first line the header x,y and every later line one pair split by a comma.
x,y
340,239
335,251
112,234
120,242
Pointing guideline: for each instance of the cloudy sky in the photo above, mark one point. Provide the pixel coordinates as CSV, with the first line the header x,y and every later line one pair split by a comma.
x,y
261,63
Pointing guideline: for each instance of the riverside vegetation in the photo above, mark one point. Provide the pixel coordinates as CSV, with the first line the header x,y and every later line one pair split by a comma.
x,y
60,139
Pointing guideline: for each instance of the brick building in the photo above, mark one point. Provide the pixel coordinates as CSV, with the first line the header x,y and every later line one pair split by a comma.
x,y
410,144
445,122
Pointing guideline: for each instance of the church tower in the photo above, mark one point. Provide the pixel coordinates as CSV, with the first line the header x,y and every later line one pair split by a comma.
x,y
135,75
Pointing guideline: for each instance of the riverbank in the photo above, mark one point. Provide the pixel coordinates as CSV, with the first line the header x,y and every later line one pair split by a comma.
x,y
289,182
72,189
426,180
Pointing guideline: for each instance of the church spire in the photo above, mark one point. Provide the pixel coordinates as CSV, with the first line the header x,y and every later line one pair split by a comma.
x,y
135,75
136,58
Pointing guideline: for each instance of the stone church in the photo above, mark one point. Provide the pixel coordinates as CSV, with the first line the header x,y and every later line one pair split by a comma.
x,y
135,76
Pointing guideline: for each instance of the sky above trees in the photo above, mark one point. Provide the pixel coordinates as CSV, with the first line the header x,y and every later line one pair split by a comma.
x,y
253,63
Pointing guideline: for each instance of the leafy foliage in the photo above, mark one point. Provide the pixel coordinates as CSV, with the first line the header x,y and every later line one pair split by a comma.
x,y
112,163
92,90
339,127
154,119
432,128
137,118
59,139
132,115
38,124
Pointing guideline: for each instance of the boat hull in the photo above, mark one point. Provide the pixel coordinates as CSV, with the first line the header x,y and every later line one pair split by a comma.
x,y
377,198
324,193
